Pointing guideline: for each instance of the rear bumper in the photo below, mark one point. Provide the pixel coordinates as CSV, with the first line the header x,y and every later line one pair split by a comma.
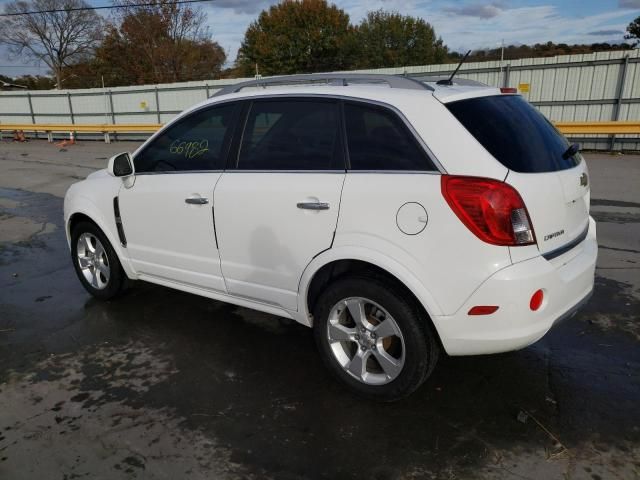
x,y
567,282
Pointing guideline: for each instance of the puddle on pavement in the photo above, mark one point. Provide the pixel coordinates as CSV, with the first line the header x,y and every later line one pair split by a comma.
x,y
70,407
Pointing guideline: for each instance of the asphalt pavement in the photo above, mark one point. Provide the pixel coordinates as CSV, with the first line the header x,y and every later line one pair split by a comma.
x,y
164,384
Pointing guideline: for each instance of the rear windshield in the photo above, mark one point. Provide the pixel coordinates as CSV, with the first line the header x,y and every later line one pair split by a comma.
x,y
515,133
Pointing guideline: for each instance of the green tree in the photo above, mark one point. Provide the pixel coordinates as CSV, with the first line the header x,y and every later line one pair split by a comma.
x,y
297,37
389,39
549,49
158,42
35,82
633,31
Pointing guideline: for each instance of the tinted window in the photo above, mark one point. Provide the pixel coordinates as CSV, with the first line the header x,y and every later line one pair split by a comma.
x,y
194,143
515,133
379,140
291,135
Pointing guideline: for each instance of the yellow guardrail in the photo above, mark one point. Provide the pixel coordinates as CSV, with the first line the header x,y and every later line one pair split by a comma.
x,y
567,128
89,128
588,128
103,128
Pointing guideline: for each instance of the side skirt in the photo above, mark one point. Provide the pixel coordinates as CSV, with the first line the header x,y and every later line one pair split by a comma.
x,y
222,297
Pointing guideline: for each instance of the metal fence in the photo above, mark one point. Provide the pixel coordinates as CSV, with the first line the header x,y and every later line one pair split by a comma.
x,y
599,86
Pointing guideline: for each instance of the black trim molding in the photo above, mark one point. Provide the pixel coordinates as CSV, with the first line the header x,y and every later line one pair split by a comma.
x,y
119,227
565,248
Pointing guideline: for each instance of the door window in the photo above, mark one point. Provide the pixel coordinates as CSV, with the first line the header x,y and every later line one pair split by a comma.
x,y
378,140
291,135
197,142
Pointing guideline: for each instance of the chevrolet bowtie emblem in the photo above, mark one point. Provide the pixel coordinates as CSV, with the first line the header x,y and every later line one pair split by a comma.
x,y
584,180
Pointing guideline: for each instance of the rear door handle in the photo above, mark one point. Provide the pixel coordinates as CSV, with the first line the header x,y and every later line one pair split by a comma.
x,y
196,200
313,205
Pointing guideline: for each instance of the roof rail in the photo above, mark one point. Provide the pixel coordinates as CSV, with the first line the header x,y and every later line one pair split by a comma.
x,y
342,79
465,82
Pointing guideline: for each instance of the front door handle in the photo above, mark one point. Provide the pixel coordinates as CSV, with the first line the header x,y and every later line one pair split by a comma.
x,y
313,205
196,200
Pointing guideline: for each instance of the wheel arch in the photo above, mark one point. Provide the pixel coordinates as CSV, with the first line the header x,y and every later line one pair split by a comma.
x,y
339,262
92,215
76,218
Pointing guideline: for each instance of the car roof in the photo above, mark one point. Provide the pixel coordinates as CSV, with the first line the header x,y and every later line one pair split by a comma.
x,y
376,92
455,92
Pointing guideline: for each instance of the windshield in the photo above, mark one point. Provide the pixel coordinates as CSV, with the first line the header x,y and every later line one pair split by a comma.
x,y
515,133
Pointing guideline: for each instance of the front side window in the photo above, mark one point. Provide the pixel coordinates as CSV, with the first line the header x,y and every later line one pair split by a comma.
x,y
197,142
379,140
291,135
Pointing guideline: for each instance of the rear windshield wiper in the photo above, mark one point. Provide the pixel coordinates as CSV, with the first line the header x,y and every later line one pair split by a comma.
x,y
571,151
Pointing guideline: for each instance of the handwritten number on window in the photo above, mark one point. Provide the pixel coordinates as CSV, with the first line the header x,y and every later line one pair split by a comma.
x,y
189,149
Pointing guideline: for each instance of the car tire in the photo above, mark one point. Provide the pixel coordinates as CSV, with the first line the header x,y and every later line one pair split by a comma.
x,y
404,351
96,263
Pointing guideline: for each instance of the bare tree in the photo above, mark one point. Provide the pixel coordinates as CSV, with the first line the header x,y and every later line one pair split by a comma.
x,y
58,39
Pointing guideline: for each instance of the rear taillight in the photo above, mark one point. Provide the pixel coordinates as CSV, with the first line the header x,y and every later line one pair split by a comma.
x,y
492,210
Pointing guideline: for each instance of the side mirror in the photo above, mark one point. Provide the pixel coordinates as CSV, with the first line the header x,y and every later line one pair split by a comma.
x,y
121,165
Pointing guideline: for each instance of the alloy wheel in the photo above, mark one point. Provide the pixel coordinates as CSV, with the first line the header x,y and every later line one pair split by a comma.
x,y
366,341
93,261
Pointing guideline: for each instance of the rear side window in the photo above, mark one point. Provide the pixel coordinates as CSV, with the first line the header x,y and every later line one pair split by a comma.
x,y
291,135
379,140
196,142
515,133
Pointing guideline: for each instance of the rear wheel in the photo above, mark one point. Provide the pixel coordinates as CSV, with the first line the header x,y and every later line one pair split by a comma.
x,y
373,338
95,262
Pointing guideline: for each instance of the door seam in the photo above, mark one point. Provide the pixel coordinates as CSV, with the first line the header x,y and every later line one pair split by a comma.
x,y
215,230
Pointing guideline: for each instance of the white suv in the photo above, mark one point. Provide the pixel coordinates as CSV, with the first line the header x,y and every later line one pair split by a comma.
x,y
397,218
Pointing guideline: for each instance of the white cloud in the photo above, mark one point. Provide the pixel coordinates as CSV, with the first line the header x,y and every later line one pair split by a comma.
x,y
599,33
524,25
480,11
228,26
243,6
462,25
629,3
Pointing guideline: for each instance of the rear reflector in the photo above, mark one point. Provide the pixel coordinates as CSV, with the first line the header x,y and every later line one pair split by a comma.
x,y
508,90
536,300
482,310
491,209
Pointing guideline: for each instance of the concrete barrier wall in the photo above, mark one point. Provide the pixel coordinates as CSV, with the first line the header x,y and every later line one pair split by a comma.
x,y
599,86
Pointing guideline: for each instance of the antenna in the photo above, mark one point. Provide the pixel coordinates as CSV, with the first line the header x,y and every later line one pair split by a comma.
x,y
449,80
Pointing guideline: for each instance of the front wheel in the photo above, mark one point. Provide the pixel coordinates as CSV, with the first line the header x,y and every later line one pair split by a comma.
x,y
373,338
95,262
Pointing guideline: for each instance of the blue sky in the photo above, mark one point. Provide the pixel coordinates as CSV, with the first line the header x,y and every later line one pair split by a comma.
x,y
463,24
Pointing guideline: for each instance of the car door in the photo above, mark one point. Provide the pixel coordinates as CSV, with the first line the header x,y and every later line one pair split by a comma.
x,y
277,206
167,214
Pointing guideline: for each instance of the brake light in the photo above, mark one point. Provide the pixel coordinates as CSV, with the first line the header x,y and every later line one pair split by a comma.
x,y
508,90
492,210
